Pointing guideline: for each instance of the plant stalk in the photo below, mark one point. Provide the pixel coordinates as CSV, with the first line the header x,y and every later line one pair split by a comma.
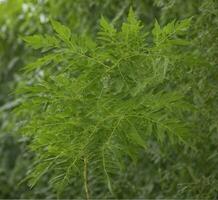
x,y
85,175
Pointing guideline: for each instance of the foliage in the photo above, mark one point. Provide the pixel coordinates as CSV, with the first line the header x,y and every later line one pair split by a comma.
x,y
162,169
91,102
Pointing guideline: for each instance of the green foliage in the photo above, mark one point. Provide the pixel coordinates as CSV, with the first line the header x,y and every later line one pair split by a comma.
x,y
169,31
189,59
101,101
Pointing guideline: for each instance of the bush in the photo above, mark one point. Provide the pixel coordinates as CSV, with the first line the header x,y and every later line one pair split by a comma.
x,y
119,110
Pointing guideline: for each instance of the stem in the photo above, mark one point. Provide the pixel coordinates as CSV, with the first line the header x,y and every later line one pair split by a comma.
x,y
85,174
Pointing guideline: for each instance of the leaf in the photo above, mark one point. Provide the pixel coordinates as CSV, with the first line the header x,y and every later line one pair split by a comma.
x,y
156,31
106,26
36,41
41,62
169,28
63,31
132,19
183,25
132,27
179,42
135,137
107,32
39,41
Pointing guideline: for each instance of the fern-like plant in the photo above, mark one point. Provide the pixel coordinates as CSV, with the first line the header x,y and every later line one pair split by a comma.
x,y
88,104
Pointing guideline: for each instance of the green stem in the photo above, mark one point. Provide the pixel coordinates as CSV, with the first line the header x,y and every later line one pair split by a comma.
x,y
85,175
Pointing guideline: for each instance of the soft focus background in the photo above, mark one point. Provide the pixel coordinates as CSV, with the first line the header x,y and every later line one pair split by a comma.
x,y
162,172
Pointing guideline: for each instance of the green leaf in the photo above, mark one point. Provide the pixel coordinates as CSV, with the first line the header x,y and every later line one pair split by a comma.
x,y
39,41
156,30
135,137
132,19
179,42
63,31
40,62
36,41
106,26
183,25
107,32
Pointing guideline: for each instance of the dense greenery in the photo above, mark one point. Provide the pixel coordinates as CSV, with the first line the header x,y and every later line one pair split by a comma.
x,y
120,102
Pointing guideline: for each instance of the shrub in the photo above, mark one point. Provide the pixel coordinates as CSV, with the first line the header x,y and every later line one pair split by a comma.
x,y
89,104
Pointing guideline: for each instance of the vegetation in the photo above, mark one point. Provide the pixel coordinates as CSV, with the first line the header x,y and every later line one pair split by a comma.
x,y
105,99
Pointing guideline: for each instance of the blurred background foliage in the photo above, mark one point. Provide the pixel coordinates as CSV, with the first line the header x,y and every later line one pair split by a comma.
x,y
163,172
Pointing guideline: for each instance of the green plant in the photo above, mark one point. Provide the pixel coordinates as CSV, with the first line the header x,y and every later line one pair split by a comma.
x,y
89,104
